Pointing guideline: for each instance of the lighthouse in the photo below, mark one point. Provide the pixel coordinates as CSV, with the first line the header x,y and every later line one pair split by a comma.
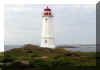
x,y
47,36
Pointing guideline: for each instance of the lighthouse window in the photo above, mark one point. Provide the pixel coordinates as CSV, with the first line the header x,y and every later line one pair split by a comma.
x,y
45,41
46,19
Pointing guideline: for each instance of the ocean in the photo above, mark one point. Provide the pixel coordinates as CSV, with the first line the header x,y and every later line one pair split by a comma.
x,y
83,49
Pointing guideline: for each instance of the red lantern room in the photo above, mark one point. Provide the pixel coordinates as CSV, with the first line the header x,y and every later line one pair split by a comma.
x,y
47,12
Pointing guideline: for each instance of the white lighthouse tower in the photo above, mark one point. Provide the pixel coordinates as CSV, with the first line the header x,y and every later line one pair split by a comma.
x,y
47,38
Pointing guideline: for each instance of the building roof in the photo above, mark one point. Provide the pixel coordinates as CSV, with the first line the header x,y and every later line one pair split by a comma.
x,y
47,9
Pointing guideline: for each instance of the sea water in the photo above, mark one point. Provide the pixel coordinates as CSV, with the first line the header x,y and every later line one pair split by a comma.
x,y
83,49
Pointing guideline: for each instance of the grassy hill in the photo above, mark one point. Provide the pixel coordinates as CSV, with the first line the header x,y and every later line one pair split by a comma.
x,y
33,57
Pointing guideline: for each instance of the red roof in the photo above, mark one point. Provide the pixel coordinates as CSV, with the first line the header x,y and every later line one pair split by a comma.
x,y
47,8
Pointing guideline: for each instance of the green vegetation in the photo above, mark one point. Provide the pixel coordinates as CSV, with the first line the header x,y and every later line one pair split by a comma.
x,y
1,54
32,57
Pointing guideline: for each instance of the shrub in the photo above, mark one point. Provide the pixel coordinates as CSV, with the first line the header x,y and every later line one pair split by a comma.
x,y
39,63
61,64
8,59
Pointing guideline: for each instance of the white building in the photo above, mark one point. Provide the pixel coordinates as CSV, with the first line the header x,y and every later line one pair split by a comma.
x,y
47,38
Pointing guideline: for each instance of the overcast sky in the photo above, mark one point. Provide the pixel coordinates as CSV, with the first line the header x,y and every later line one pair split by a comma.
x,y
74,29
73,23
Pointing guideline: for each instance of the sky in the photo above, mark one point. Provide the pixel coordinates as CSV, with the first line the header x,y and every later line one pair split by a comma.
x,y
70,27
52,1
73,24
1,27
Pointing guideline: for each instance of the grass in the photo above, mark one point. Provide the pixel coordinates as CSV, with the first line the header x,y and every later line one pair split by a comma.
x,y
1,54
33,57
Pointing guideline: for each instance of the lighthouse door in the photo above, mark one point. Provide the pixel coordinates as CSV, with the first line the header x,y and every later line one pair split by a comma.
x,y
45,41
